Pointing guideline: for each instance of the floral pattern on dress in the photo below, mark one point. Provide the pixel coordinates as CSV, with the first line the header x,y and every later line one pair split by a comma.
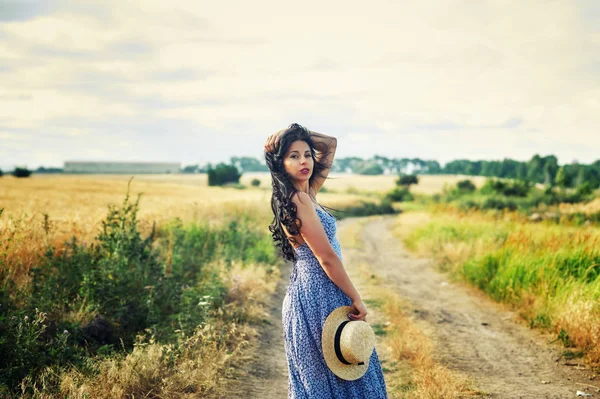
x,y
310,297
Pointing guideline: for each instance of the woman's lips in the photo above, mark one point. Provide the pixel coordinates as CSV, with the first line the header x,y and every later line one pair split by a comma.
x,y
305,171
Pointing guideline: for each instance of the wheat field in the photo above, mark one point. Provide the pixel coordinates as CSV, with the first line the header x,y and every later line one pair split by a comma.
x,y
51,209
342,182
75,204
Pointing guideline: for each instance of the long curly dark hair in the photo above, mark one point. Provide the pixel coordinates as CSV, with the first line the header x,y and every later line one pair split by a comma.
x,y
284,210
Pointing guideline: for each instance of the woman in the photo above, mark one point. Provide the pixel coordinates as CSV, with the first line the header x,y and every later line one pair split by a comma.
x,y
299,161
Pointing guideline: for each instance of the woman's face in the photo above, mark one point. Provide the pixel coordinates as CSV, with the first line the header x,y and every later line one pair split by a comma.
x,y
298,158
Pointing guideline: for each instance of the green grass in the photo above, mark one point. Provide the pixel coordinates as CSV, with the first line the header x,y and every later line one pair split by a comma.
x,y
542,269
87,302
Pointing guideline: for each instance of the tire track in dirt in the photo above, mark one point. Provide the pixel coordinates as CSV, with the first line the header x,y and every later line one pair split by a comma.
x,y
472,334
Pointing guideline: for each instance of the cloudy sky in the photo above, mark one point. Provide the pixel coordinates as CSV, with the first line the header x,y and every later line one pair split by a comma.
x,y
201,81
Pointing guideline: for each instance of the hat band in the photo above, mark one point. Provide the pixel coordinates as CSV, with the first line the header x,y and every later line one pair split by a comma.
x,y
336,343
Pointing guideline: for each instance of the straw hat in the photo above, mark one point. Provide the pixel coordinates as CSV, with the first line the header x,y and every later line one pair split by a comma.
x,y
347,344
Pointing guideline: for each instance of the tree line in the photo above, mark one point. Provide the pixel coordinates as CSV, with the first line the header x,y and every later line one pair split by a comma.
x,y
538,169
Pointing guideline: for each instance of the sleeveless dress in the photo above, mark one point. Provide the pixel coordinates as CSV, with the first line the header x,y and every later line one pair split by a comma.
x,y
310,297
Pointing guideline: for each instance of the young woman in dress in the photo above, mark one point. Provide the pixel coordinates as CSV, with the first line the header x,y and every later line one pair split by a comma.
x,y
305,233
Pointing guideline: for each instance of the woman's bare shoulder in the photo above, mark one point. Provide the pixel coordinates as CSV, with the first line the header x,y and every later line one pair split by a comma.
x,y
300,198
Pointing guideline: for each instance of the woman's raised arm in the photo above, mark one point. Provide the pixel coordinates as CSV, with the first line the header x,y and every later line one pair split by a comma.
x,y
325,146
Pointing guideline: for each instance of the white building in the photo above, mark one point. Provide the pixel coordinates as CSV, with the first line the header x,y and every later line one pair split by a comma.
x,y
121,167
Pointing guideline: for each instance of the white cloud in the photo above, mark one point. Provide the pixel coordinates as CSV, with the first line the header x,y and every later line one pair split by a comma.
x,y
440,73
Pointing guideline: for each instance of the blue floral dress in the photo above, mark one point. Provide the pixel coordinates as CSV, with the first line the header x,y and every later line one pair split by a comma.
x,y
310,297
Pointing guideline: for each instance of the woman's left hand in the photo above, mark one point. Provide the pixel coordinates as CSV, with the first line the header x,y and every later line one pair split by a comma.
x,y
273,141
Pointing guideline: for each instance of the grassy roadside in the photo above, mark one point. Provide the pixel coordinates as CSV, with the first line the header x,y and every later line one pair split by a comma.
x,y
547,272
167,315
405,351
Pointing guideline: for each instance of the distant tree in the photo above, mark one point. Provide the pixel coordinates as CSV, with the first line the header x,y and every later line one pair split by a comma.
x,y
535,169
561,177
42,169
432,167
585,189
522,171
223,174
255,182
581,176
1,173
407,180
370,168
190,169
21,172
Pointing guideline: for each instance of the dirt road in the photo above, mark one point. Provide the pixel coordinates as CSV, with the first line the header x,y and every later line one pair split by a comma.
x,y
472,334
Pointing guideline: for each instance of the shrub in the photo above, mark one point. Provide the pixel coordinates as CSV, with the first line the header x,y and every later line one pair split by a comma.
x,y
465,186
1,173
21,172
255,182
222,174
499,204
25,348
407,180
517,188
399,194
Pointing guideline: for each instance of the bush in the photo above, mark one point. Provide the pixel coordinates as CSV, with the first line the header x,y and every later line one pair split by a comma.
x,y
255,182
499,204
465,186
222,174
21,172
585,189
517,188
1,173
399,194
407,180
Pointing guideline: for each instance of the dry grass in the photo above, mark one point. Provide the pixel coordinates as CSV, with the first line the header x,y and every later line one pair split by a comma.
x,y
343,182
411,372
50,209
588,208
198,366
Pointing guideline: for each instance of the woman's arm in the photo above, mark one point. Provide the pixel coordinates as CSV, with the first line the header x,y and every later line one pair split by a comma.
x,y
313,233
325,147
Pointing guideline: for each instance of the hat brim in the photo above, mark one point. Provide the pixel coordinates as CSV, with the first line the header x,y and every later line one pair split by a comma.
x,y
345,371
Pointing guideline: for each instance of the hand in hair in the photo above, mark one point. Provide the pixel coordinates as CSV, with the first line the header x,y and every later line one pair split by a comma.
x,y
273,141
